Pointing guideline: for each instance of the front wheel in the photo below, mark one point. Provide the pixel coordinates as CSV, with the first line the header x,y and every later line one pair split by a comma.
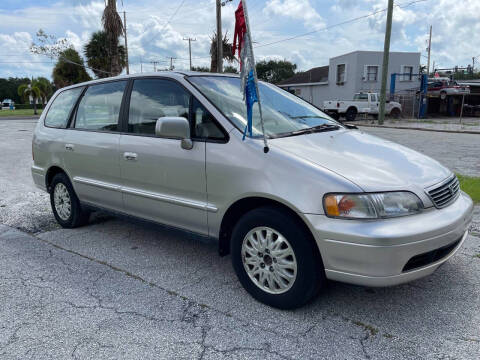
x,y
275,259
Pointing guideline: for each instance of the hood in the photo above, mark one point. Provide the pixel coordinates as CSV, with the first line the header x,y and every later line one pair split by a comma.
x,y
372,163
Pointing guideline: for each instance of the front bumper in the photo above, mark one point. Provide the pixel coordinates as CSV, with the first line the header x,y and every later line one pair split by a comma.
x,y
375,253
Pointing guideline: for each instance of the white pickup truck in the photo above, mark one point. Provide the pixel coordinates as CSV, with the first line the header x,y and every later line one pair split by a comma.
x,y
362,103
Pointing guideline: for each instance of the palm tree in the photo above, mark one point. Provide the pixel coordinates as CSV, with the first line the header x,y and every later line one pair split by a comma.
x,y
113,26
227,52
97,55
45,87
30,90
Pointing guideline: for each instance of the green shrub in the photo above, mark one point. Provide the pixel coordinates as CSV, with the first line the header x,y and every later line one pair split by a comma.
x,y
27,106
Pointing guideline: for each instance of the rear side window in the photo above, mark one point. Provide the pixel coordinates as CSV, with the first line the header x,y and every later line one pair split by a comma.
x,y
99,108
155,98
60,110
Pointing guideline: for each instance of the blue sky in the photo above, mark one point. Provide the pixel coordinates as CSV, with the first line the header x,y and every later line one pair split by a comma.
x,y
153,38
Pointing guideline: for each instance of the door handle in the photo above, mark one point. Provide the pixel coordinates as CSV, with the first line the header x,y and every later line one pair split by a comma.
x,y
130,156
69,147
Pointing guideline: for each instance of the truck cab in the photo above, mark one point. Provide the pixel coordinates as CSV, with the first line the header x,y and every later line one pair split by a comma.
x,y
362,103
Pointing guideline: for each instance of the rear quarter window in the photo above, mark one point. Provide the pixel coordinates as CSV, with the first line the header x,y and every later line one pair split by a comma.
x,y
59,112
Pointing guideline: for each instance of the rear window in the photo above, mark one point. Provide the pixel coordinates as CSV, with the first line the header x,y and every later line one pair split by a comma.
x,y
60,110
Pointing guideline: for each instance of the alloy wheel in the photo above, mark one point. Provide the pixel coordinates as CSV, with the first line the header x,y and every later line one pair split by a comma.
x,y
269,260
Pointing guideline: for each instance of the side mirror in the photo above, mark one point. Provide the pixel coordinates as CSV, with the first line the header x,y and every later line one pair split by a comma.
x,y
174,128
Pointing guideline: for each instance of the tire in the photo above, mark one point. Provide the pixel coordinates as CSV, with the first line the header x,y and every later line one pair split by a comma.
x,y
334,115
65,204
303,279
443,95
351,114
395,113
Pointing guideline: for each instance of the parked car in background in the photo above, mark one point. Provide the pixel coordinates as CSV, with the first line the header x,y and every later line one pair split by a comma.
x,y
322,202
443,87
362,103
8,104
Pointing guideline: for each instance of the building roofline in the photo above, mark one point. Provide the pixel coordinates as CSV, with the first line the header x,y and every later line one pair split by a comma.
x,y
375,51
304,84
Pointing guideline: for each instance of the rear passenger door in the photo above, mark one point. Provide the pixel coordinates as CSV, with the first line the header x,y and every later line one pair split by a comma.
x,y
91,146
162,181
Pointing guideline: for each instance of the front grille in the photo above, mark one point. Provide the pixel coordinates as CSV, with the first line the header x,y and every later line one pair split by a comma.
x,y
429,257
443,194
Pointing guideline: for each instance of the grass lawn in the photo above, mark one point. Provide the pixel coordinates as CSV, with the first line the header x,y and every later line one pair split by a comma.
x,y
26,112
471,185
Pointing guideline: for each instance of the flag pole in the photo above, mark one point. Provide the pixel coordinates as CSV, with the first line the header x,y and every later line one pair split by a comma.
x,y
247,25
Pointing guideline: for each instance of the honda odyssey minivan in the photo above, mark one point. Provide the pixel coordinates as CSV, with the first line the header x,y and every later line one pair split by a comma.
x,y
322,201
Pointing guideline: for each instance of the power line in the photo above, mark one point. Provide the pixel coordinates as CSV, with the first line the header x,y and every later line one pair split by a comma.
x,y
338,24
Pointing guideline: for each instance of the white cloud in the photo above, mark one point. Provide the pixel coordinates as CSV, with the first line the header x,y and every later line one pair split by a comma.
x,y
295,9
454,40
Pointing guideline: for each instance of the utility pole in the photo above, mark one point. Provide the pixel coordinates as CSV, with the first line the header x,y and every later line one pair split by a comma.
x,y
429,51
171,63
219,38
126,42
473,64
141,64
190,49
386,55
154,65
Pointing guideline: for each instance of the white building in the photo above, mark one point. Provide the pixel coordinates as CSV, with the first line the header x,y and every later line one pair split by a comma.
x,y
354,72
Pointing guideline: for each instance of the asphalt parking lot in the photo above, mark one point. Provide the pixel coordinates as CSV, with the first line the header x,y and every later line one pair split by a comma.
x,y
129,290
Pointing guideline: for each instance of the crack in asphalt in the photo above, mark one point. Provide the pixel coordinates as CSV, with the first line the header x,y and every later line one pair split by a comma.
x,y
193,313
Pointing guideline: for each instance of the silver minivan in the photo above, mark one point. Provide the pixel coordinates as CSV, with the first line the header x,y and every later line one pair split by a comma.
x,y
322,201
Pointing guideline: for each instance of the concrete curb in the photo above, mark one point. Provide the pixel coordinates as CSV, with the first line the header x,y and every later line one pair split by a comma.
x,y
421,129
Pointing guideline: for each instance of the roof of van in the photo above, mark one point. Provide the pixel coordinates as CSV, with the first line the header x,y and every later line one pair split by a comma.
x,y
170,74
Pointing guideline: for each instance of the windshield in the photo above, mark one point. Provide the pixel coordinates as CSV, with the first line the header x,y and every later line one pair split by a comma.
x,y
283,113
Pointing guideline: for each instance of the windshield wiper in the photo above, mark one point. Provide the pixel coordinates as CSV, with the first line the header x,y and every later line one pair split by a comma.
x,y
311,130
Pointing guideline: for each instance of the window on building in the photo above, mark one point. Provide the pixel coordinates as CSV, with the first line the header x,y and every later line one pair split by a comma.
x,y
341,73
407,73
99,108
372,73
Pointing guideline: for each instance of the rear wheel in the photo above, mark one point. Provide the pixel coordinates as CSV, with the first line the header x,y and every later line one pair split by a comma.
x,y
443,95
275,259
334,115
65,204
395,113
351,114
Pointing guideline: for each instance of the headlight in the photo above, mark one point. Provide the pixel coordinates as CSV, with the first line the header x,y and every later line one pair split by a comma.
x,y
372,206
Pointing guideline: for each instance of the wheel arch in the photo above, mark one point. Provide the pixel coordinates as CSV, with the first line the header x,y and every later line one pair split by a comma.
x,y
244,205
352,107
51,172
